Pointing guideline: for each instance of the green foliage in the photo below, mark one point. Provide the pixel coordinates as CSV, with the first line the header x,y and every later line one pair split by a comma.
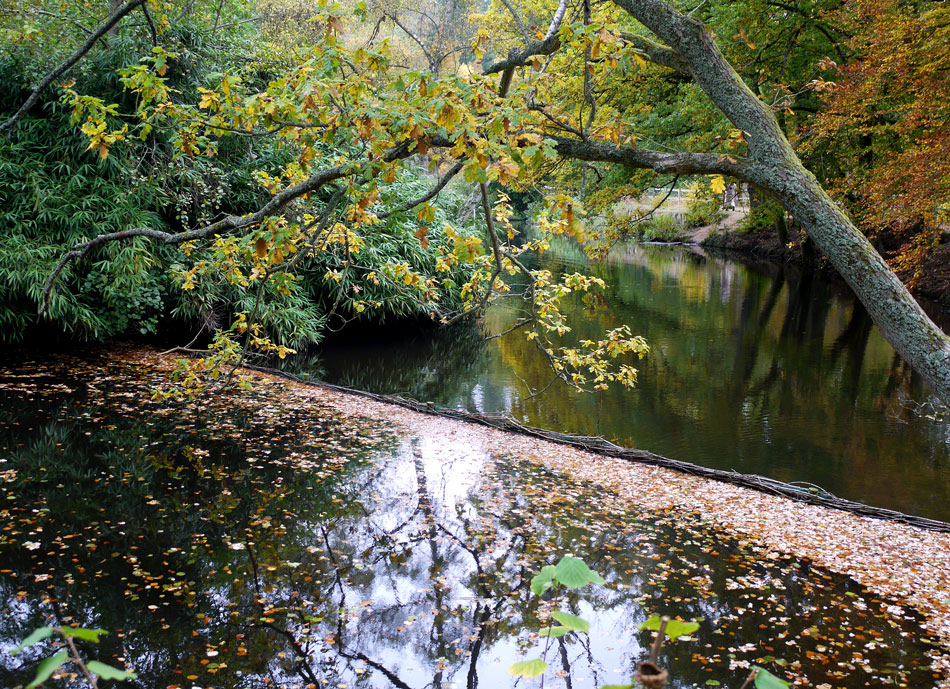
x,y
674,628
762,217
51,664
55,193
570,572
528,668
660,228
704,207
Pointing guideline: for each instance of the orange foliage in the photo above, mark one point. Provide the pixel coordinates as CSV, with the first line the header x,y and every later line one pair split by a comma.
x,y
886,127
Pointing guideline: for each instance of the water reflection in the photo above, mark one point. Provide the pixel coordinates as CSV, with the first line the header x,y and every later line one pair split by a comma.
x,y
764,370
252,541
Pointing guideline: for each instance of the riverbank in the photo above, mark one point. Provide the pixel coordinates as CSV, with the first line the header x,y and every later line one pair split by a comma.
x,y
933,284
907,565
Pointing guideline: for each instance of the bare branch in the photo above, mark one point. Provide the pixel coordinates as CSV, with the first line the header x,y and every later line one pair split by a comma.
x,y
667,163
546,46
433,64
36,10
657,53
519,22
496,251
151,24
103,29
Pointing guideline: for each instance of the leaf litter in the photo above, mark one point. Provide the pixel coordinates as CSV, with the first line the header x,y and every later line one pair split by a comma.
x,y
293,536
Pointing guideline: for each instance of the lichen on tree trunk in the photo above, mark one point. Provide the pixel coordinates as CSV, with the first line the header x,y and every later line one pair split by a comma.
x,y
773,165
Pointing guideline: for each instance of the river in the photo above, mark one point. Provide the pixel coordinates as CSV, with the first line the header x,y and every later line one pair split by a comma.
x,y
760,370
265,539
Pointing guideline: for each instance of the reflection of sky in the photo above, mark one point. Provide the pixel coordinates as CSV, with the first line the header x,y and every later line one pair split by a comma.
x,y
406,566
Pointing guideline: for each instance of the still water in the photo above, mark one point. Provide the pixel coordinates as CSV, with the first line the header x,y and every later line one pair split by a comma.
x,y
261,540
763,371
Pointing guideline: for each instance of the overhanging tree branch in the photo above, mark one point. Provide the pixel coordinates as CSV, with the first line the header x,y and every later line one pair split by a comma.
x,y
546,46
276,203
664,163
103,29
428,196
656,53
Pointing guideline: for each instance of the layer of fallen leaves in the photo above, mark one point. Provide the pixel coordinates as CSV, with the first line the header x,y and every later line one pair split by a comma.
x,y
287,535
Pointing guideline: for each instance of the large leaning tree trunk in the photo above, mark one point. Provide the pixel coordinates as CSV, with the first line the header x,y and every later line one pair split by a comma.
x,y
687,47
773,165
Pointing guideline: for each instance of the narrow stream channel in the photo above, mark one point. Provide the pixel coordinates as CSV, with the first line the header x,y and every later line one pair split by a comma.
x,y
763,371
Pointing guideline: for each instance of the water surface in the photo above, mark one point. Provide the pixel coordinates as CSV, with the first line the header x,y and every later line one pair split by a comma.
x,y
764,371
259,540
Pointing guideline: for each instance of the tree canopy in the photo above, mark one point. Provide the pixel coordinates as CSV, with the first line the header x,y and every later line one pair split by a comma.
x,y
292,139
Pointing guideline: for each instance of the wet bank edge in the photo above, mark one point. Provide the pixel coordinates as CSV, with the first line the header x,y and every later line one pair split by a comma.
x,y
891,559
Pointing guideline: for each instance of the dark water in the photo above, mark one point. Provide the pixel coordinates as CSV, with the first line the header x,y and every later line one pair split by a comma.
x,y
259,541
759,371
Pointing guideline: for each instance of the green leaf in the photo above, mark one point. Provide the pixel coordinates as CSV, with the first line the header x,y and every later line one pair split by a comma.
x,y
34,638
553,632
574,573
766,680
713,683
674,628
543,580
572,622
47,667
528,668
108,672
84,634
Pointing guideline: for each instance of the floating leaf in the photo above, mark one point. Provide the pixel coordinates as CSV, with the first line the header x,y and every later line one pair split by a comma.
x,y
47,667
572,622
528,668
33,639
108,672
553,632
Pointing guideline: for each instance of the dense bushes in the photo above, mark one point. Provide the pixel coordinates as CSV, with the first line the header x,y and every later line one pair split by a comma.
x,y
55,193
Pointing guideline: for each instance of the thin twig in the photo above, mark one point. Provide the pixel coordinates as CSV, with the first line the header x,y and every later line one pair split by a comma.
x,y
658,642
78,661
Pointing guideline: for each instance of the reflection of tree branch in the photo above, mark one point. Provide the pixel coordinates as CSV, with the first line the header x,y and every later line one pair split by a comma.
x,y
390,675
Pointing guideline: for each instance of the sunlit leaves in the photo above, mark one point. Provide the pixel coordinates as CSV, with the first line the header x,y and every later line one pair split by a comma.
x,y
674,628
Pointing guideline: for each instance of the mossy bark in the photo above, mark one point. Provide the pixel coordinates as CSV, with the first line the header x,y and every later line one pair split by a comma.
x,y
773,165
